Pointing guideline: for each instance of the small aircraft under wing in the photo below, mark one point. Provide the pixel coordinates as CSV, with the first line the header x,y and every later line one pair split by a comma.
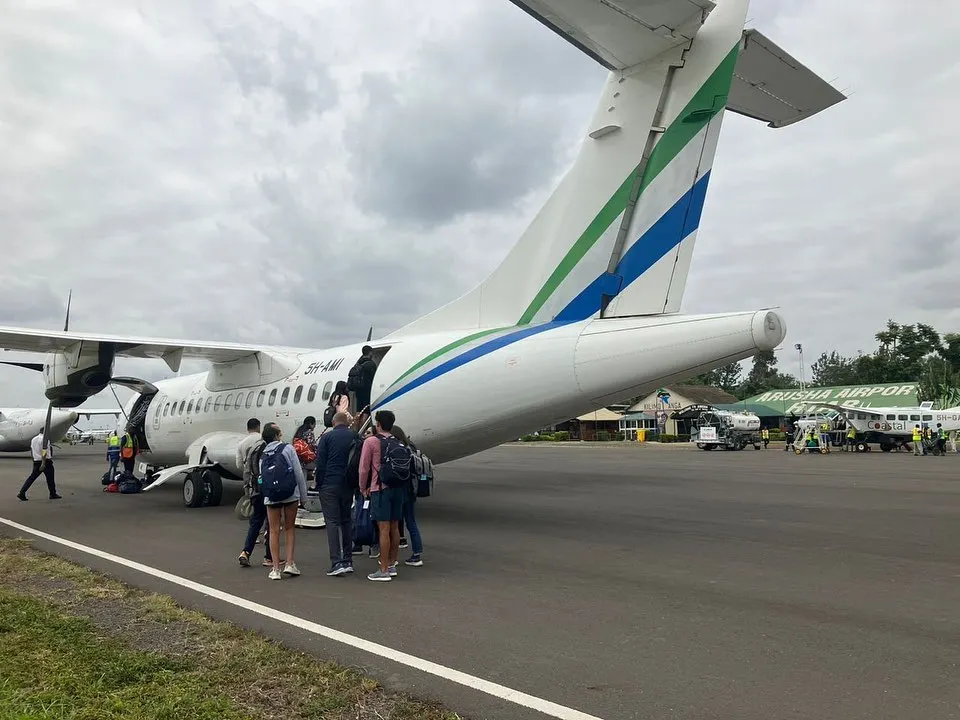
x,y
18,426
892,427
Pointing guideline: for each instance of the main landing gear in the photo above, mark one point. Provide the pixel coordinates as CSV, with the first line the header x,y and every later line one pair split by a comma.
x,y
202,488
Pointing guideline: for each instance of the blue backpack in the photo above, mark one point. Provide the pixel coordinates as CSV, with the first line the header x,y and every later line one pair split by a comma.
x,y
277,480
396,463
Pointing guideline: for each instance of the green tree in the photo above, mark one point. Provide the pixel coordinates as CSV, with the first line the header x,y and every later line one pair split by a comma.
x,y
834,369
764,376
727,378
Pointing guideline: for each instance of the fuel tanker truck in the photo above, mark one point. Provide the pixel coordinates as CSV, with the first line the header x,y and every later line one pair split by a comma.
x,y
727,430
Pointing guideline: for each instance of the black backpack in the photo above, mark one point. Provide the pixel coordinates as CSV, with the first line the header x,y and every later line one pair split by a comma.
x,y
396,463
355,377
253,465
328,412
277,480
352,475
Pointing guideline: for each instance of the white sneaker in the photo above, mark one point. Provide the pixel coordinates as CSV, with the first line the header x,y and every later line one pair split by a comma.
x,y
275,574
291,569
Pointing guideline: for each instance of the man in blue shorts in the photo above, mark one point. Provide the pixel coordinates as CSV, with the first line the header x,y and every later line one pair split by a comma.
x,y
386,503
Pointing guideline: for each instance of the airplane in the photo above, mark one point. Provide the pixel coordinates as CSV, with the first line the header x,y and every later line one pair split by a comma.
x,y
892,427
582,312
18,426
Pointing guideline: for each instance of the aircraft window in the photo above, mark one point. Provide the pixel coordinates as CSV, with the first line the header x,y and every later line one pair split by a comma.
x,y
216,405
206,405
156,415
312,393
298,393
902,417
190,407
249,399
239,403
182,403
284,395
260,397
228,402
273,397
165,409
928,417
326,390
891,417
914,417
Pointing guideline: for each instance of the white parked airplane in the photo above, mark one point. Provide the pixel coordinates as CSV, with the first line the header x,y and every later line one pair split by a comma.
x,y
582,312
18,426
892,427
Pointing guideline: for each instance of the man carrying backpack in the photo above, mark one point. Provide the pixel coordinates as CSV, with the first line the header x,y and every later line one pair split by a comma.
x,y
385,476
360,377
248,460
336,495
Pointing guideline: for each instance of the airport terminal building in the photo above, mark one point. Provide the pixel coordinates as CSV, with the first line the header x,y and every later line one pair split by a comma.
x,y
775,406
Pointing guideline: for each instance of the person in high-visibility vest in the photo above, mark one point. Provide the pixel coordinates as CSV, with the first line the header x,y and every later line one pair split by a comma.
x,y
765,436
113,453
129,449
917,440
824,435
851,438
941,440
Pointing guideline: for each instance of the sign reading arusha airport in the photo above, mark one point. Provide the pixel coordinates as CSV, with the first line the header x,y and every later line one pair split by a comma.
x,y
798,402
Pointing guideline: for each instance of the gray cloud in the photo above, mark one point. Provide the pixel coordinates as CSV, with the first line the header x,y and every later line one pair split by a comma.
x,y
293,175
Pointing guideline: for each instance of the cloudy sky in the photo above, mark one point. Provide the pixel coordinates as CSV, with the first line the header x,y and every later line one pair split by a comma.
x,y
293,171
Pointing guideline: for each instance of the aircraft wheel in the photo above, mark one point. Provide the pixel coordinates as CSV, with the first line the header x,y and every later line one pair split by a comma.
x,y
213,487
243,509
193,490
862,447
886,447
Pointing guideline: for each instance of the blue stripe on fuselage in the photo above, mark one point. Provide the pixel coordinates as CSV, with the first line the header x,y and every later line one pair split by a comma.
x,y
665,235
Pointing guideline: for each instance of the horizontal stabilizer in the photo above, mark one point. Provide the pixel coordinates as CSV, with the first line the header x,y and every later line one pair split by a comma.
x,y
619,34
771,86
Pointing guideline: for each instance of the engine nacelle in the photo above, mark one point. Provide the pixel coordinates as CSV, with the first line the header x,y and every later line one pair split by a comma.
x,y
81,372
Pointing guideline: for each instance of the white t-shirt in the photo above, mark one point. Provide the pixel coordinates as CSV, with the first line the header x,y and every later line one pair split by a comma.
x,y
35,445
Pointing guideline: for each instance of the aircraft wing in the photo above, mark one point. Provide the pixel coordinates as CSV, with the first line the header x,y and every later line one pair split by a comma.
x,y
171,351
850,408
768,84
621,33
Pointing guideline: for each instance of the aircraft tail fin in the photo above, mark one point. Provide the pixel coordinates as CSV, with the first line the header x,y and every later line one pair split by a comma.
x,y
616,237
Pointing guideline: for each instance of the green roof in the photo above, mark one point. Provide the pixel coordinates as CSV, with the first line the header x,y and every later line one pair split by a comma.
x,y
775,403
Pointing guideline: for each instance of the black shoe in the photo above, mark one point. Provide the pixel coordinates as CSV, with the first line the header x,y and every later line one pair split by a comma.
x,y
56,497
21,496
403,543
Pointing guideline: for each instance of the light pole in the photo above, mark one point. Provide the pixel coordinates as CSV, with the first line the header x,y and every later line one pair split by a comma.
x,y
799,348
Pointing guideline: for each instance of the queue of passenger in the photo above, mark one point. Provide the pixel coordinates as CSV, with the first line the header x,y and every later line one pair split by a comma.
x,y
372,472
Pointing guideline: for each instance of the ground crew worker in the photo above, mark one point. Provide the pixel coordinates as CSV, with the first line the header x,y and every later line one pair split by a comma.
x,y
113,454
824,435
765,436
129,449
851,438
941,440
917,440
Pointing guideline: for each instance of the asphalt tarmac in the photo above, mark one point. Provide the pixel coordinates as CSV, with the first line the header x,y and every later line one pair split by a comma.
x,y
625,582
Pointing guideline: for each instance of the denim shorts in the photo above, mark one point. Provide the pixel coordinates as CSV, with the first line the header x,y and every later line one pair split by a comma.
x,y
387,504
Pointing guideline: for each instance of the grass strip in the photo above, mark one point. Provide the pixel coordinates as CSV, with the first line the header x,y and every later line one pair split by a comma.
x,y
78,645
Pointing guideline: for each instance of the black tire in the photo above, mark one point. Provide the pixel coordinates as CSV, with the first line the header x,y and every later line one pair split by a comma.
x,y
213,486
193,490
886,447
862,446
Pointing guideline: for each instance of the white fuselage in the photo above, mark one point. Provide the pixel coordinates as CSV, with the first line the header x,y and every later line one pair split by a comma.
x,y
18,426
457,396
900,422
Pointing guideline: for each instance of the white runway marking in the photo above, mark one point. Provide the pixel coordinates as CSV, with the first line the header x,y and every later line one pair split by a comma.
x,y
485,686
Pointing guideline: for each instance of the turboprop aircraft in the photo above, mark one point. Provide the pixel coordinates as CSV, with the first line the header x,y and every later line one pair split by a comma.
x,y
892,427
582,312
18,426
